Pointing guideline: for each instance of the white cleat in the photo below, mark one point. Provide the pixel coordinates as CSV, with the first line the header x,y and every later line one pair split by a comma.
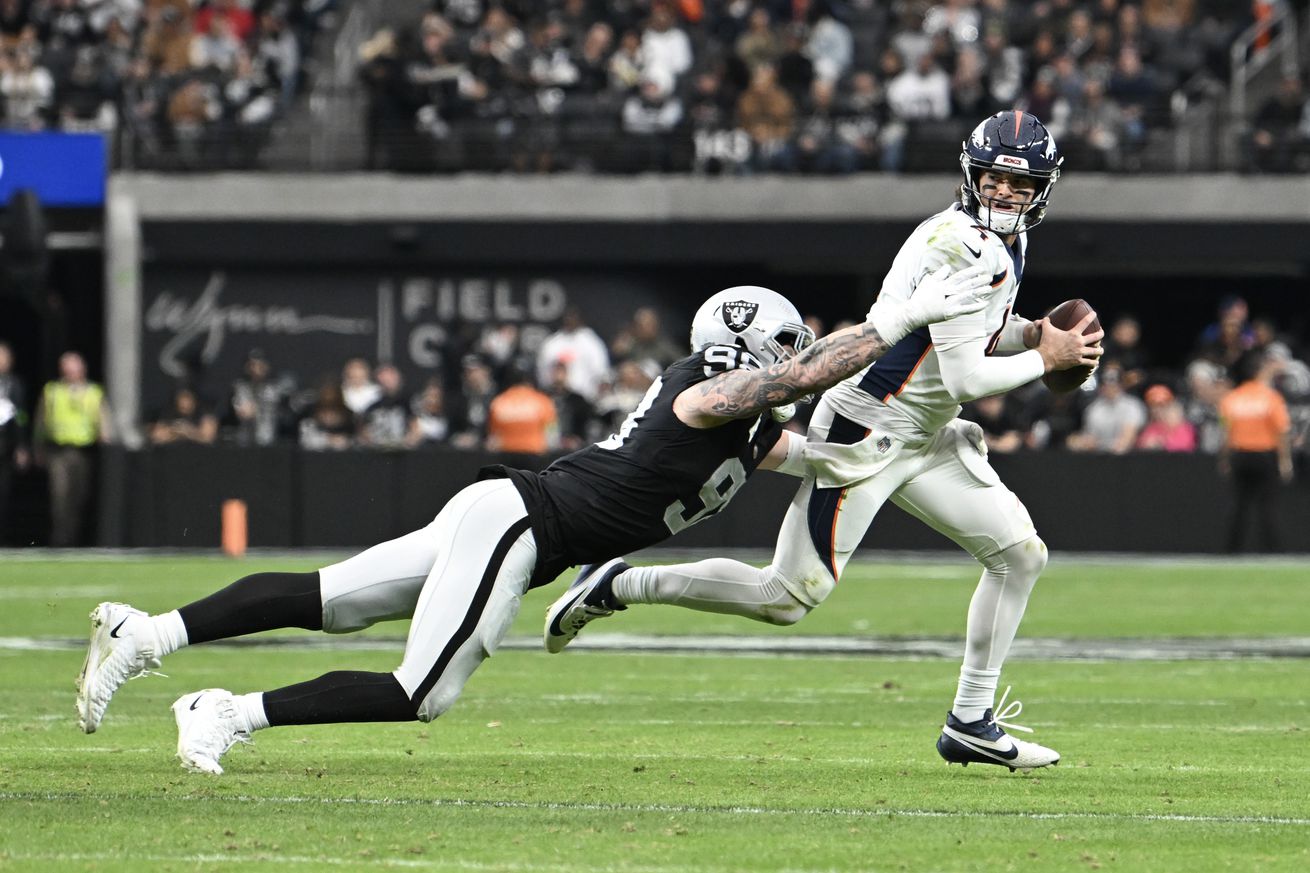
x,y
114,655
208,724
587,599
984,741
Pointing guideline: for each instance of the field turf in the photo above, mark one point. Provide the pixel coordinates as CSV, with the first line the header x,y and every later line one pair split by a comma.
x,y
657,763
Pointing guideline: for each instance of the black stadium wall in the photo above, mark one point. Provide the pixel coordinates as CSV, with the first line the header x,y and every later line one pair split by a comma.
x,y
315,276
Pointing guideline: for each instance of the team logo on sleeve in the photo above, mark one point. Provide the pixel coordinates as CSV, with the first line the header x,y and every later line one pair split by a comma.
x,y
739,314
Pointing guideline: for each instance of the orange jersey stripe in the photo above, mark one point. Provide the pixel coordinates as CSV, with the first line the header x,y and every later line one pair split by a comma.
x,y
913,370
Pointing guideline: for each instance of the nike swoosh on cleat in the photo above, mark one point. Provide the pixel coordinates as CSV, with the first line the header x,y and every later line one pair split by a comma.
x,y
114,633
194,702
977,745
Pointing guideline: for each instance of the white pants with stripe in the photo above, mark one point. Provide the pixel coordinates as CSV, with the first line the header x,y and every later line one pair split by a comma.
x,y
945,481
460,578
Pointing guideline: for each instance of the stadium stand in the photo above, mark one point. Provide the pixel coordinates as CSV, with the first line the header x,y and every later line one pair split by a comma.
x,y
808,86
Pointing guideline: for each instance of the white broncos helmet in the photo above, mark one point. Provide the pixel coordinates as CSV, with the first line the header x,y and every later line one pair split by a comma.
x,y
761,321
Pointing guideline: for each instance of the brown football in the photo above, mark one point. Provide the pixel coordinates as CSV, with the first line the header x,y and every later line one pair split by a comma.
x,y
1065,316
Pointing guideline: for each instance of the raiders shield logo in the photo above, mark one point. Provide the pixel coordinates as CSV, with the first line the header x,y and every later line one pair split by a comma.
x,y
739,315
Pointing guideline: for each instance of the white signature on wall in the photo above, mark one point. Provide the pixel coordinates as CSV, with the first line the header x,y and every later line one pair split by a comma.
x,y
205,317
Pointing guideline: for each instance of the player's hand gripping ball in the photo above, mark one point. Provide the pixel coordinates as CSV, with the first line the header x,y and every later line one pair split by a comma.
x,y
1066,316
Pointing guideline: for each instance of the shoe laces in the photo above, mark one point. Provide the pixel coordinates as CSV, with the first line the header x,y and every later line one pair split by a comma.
x,y
1003,712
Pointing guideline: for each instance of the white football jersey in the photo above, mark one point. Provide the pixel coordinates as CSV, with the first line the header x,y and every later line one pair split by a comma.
x,y
903,392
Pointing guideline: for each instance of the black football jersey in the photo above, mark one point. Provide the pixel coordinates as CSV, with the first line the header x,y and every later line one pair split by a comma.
x,y
653,478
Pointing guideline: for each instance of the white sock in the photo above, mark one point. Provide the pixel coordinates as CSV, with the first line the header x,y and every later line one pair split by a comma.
x,y
170,632
714,585
250,708
975,693
995,611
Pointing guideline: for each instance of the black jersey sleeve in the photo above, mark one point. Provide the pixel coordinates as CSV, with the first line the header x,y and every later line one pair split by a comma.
x,y
652,479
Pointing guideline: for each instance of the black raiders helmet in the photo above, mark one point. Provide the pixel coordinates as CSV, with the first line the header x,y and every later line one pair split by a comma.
x,y
1013,142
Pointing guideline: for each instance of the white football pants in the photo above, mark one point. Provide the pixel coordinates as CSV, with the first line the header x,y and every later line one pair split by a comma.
x,y
945,481
461,578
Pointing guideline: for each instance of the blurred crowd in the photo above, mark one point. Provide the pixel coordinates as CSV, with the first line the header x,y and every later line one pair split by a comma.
x,y
1243,395
576,388
178,84
817,86
1136,403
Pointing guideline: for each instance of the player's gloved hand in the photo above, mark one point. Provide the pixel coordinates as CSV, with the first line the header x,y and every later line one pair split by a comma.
x,y
785,413
938,297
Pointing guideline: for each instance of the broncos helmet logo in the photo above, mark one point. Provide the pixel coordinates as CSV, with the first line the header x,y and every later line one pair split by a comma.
x,y
739,314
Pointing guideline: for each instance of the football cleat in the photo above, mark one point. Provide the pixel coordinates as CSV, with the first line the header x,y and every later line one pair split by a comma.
x,y
587,599
984,741
208,724
114,655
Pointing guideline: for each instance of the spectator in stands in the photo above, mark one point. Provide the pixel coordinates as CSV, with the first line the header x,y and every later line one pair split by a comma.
x,y
521,420
1168,429
330,424
627,63
1280,141
1229,338
358,389
27,88
1257,449
592,59
861,122
1113,420
969,98
572,411
830,45
184,420
665,48
1004,63
236,18
14,453
760,44
1206,386
86,98
478,389
921,93
615,404
1096,124
1135,88
821,146
429,422
1052,419
72,420
580,349
277,53
257,407
385,423
958,19
795,69
643,342
768,115
216,47
650,118
1002,428
1123,345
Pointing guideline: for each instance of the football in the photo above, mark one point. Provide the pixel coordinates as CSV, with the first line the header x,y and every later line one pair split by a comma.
x,y
1065,316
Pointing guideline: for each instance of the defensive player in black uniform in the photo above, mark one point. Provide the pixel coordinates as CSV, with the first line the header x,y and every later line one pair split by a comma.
x,y
696,436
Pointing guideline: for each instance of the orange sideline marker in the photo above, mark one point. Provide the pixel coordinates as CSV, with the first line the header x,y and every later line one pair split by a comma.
x,y
234,527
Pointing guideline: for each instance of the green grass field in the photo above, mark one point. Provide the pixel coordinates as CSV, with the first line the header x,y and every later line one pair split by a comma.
x,y
658,763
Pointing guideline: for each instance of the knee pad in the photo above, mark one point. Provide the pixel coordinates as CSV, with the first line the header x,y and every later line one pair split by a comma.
x,y
782,607
1026,559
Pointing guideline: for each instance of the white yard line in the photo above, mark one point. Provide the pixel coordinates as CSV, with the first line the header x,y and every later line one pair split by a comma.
x,y
674,808
1042,648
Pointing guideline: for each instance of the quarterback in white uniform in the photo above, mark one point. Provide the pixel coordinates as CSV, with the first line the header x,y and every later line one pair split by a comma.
x,y
892,432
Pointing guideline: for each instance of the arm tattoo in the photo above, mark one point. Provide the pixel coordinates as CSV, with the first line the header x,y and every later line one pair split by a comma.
x,y
746,393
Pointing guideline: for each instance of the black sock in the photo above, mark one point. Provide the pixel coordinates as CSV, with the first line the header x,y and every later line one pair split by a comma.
x,y
259,602
337,697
